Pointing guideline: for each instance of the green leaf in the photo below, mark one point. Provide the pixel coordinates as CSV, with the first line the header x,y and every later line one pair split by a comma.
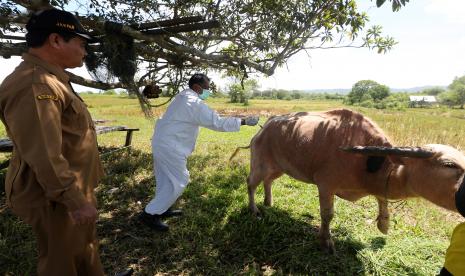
x,y
379,3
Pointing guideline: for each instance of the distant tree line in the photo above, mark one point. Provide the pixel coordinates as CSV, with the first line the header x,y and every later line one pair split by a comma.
x,y
365,93
368,93
455,95
241,92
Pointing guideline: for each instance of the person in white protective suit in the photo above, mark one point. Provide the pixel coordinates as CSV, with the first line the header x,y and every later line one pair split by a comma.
x,y
173,142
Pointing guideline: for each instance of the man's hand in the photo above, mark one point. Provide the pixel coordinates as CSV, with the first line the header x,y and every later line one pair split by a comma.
x,y
250,120
87,214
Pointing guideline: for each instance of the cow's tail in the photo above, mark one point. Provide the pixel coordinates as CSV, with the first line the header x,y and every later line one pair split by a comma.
x,y
246,147
236,151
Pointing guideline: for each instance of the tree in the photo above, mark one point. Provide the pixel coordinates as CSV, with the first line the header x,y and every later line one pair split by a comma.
x,y
281,94
241,92
379,92
366,90
433,91
448,98
396,4
296,94
457,87
164,41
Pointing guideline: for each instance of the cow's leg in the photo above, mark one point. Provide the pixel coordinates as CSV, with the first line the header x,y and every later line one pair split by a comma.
x,y
327,214
267,183
252,182
383,216
268,196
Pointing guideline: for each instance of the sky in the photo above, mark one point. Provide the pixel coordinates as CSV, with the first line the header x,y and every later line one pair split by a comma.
x,y
430,52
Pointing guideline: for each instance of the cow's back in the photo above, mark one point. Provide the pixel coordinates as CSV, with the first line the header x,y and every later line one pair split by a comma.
x,y
301,144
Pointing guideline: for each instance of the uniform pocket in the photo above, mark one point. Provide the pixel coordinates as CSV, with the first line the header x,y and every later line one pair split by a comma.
x,y
77,116
76,106
11,175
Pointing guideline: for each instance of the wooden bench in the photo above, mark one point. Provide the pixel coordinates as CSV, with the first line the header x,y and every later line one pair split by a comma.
x,y
7,146
129,131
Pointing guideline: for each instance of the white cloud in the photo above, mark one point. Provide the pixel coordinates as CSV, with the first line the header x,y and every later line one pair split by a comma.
x,y
8,65
452,9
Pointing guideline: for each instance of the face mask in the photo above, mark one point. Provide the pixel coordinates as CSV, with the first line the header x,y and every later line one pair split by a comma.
x,y
205,94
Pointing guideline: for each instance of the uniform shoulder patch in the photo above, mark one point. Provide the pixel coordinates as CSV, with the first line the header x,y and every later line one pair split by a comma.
x,y
47,97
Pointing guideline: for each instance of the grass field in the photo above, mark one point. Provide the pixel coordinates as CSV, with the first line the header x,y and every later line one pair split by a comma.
x,y
218,235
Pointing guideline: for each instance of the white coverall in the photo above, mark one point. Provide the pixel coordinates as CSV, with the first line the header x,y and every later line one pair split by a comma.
x,y
174,140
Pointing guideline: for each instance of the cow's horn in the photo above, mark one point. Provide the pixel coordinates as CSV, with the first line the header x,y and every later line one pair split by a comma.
x,y
416,152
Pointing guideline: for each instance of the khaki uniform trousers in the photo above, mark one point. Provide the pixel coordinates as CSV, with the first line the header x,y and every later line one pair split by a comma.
x,y
64,249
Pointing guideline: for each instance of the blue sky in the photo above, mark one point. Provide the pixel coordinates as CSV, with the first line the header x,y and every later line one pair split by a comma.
x,y
430,51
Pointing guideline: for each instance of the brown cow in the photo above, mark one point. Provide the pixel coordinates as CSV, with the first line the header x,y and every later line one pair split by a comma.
x,y
307,146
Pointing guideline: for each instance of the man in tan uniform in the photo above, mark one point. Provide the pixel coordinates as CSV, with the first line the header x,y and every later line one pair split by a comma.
x,y
55,164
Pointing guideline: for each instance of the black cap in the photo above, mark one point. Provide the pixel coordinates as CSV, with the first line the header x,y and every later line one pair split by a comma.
x,y
59,21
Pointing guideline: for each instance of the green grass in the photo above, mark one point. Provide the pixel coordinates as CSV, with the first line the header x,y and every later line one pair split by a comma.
x,y
218,235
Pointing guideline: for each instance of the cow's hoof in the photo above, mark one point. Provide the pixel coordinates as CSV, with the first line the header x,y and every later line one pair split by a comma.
x,y
383,225
255,211
327,246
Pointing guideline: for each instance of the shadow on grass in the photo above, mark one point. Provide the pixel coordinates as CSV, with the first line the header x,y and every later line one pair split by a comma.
x,y
378,243
17,245
216,236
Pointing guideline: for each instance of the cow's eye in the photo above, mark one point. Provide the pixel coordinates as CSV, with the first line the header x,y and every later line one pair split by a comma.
x,y
450,164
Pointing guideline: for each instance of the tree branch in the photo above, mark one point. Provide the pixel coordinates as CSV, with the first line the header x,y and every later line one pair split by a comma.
x,y
184,28
34,5
12,49
167,23
93,84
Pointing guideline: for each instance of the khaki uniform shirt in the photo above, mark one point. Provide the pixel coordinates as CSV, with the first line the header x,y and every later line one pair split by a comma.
x,y
55,156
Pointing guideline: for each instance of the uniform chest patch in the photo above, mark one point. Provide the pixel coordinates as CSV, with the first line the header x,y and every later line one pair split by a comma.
x,y
47,97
